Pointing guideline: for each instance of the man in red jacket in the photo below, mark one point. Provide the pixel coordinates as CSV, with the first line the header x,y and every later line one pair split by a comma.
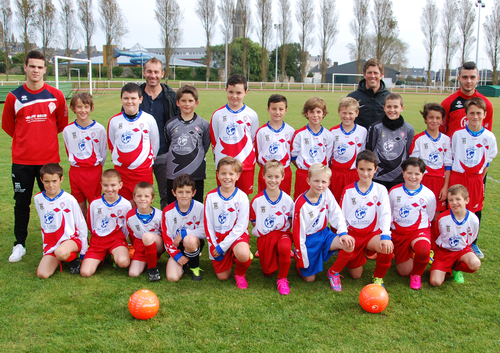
x,y
33,115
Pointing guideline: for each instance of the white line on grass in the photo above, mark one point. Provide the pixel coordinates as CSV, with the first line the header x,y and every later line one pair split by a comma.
x,y
493,180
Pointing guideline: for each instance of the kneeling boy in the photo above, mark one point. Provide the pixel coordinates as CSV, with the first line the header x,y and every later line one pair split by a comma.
x,y
314,241
64,230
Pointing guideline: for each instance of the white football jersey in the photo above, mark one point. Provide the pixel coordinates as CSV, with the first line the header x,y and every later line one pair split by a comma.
x,y
346,146
473,151
436,153
455,235
86,146
270,215
137,227
309,148
411,209
107,218
274,144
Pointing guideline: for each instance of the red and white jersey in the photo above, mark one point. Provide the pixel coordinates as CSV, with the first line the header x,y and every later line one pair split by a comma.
x,y
411,209
309,148
310,218
174,221
232,133
436,153
455,235
366,212
274,144
270,215
137,226
346,146
86,146
133,143
226,219
473,151
60,219
105,218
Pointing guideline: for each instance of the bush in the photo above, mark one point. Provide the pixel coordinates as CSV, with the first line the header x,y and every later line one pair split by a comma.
x,y
137,71
117,71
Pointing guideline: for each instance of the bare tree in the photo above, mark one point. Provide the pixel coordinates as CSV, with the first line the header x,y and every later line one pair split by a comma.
x,y
285,16
449,38
47,25
245,15
492,35
86,17
68,28
226,13
396,55
265,20
6,19
205,9
169,17
305,18
466,19
327,21
385,25
112,23
26,21
429,23
359,29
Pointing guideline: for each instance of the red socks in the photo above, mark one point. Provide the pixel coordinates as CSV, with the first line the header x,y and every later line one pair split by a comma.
x,y
462,266
151,255
342,259
241,267
284,261
383,264
422,250
71,257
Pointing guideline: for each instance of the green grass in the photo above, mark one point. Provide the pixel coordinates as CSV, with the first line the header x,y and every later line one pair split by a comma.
x,y
70,313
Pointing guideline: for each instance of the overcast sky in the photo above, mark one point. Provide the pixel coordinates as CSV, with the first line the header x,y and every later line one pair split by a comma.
x,y
144,29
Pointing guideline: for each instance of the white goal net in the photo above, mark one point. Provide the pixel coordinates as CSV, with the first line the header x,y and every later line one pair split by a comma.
x,y
56,67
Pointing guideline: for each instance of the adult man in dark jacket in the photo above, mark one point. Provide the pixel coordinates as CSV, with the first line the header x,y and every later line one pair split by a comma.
x,y
159,101
370,94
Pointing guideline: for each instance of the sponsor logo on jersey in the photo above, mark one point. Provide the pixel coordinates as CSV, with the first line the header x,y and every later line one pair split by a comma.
x,y
459,105
273,148
48,218
269,222
315,224
222,217
126,137
404,212
470,152
313,152
231,129
341,149
454,241
434,156
81,145
464,122
52,107
104,222
361,212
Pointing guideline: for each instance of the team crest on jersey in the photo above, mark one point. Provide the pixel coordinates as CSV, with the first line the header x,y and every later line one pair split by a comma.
x,y
313,152
448,229
383,134
404,212
341,149
470,152
267,137
306,141
141,126
398,199
485,142
459,105
426,146
104,222
353,200
263,209
48,218
120,125
231,129
269,222
99,211
52,107
224,119
182,140
464,140
454,241
215,206
81,145
434,156
126,137
222,217
175,220
74,135
311,215
41,206
403,134
273,149
389,145
361,212
138,227
469,230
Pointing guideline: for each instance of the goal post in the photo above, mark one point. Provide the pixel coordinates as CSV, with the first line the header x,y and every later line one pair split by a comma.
x,y
56,66
340,75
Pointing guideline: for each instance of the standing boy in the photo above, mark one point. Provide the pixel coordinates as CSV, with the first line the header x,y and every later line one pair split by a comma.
x,y
33,115
273,141
390,139
64,231
413,207
314,241
232,131
107,222
85,142
133,140
226,224
187,138
349,139
473,149
271,211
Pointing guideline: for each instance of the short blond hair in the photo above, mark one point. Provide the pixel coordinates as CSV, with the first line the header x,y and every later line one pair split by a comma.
x,y
273,163
233,162
319,168
348,102
111,173
459,189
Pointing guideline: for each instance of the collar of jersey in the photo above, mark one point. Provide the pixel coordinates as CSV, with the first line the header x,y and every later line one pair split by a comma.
x,y
113,204
363,193
86,127
430,137
350,132
474,133
412,192
188,211
142,218
310,203
134,119
55,198
279,130
463,220
190,121
312,132
273,202
230,197
237,111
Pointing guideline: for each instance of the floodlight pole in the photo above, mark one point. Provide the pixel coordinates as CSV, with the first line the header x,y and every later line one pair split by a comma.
x,y
479,4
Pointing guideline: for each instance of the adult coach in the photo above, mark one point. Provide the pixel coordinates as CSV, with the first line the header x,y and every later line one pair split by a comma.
x,y
456,118
159,101
33,115
370,94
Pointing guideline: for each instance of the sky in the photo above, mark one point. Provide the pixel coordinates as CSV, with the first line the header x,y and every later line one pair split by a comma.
x,y
144,29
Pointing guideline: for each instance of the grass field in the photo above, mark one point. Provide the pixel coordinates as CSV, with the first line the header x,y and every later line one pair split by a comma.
x,y
71,313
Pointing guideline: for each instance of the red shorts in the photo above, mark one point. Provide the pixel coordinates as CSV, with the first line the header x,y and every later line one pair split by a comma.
x,y
245,182
130,178
402,243
340,179
475,186
75,239
268,249
99,247
435,184
85,183
286,184
227,262
358,258
444,259
301,184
